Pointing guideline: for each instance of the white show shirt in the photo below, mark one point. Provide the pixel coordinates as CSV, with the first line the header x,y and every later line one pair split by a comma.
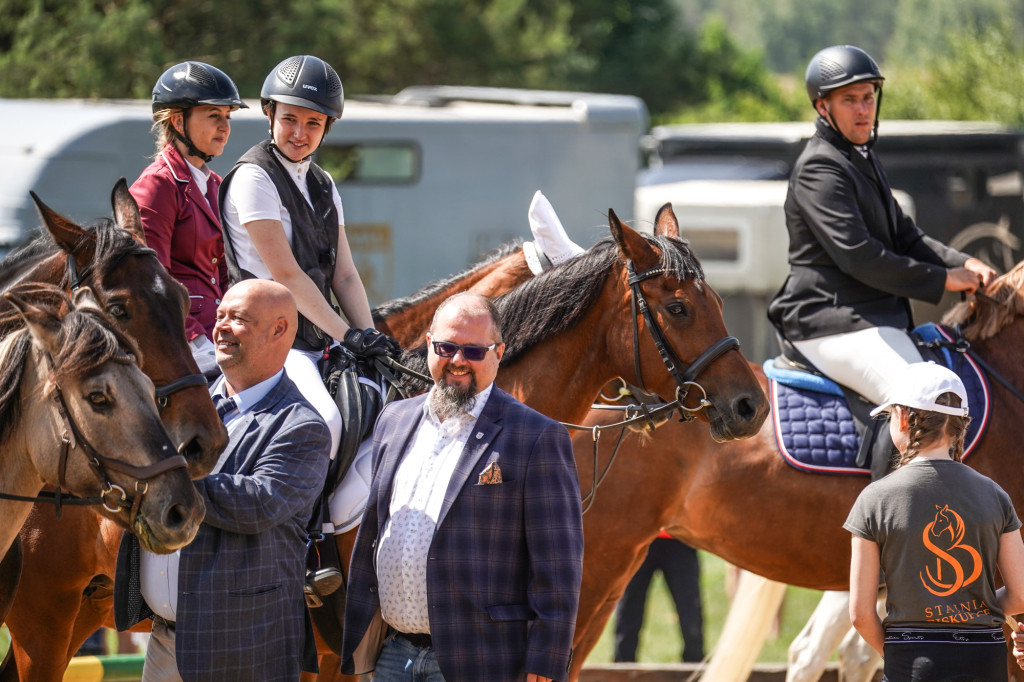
x,y
202,179
158,573
251,196
421,481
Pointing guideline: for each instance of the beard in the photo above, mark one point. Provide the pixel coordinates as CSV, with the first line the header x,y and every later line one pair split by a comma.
x,y
448,400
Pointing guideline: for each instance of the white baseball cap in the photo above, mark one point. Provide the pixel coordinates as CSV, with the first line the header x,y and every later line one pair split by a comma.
x,y
921,384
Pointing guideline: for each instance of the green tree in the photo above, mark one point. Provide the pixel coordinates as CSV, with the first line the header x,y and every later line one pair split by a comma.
x,y
70,48
970,81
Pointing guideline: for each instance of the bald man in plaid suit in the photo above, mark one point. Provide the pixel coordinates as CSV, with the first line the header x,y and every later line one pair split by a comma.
x,y
468,562
229,606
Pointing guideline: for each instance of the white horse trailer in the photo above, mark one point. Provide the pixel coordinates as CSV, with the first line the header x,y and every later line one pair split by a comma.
x,y
431,178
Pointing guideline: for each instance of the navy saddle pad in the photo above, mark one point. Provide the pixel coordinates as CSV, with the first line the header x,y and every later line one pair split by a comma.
x,y
815,431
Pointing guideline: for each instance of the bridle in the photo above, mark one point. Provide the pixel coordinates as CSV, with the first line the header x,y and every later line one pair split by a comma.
x,y
72,436
163,392
113,497
685,379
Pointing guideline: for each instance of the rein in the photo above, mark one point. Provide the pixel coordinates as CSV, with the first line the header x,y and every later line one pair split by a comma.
x,y
71,438
77,278
685,379
963,346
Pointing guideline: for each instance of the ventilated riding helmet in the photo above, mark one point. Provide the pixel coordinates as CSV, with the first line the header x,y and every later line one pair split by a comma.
x,y
837,66
190,84
305,81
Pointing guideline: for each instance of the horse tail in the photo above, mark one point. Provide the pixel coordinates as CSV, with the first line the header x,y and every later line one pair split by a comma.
x,y
746,628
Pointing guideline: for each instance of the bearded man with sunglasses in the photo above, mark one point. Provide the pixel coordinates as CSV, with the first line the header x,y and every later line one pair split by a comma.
x,y
469,557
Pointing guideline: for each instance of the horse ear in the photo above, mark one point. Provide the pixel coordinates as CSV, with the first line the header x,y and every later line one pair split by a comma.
x,y
43,322
126,211
632,246
66,233
665,224
85,299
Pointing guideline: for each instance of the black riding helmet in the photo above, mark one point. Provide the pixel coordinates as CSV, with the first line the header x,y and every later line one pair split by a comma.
x,y
191,84
305,81
841,65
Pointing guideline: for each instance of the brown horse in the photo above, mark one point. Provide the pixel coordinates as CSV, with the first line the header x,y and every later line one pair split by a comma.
x,y
570,330
67,586
573,328
740,501
76,412
144,301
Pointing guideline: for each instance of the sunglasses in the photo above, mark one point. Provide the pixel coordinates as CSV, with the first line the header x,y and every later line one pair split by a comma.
x,y
447,349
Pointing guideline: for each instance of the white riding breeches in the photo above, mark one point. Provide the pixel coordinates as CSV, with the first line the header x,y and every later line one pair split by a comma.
x,y
301,368
864,360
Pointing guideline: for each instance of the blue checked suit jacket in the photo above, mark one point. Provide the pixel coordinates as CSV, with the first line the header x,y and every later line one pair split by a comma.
x,y
506,560
241,613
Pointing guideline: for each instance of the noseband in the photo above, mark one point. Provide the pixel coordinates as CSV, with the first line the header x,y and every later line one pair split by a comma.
x,y
164,392
685,379
113,497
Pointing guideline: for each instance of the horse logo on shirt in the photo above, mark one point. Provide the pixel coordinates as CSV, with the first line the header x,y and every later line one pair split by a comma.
x,y
943,537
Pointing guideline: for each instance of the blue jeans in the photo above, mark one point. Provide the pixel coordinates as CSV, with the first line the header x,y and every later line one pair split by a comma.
x,y
401,661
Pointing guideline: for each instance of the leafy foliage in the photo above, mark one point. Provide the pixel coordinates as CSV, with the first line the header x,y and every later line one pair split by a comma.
x,y
118,48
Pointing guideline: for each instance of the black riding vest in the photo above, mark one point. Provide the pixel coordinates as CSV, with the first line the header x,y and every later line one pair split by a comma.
x,y
314,231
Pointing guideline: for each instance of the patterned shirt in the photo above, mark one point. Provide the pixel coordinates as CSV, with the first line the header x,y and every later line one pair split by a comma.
x,y
421,482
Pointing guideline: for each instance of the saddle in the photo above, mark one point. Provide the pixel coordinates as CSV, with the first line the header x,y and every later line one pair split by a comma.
x,y
822,427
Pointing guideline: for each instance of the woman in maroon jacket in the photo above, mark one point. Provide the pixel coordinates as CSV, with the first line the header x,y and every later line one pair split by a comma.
x,y
177,193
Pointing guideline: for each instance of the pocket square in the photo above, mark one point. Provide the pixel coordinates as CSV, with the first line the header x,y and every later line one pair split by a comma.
x,y
490,475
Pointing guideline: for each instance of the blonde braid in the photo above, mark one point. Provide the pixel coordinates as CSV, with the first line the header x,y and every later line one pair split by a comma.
x,y
925,427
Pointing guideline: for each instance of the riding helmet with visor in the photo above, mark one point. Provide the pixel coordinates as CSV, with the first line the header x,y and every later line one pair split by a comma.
x,y
838,66
841,65
191,84
305,81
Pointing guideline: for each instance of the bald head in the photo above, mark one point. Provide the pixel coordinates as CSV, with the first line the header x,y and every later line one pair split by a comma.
x,y
467,303
256,324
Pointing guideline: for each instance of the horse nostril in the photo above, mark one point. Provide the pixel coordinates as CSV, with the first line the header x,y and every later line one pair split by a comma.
x,y
744,408
175,517
192,451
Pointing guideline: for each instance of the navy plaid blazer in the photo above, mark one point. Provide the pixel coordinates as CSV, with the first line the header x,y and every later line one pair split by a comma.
x,y
241,612
506,560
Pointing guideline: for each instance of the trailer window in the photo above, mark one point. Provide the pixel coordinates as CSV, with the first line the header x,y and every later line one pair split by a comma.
x,y
387,163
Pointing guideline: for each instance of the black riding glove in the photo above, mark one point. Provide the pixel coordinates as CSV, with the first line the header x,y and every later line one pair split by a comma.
x,y
368,343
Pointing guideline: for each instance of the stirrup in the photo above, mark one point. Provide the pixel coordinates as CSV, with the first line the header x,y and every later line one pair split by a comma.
x,y
321,583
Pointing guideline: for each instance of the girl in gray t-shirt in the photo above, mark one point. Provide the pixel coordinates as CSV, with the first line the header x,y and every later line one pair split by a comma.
x,y
937,531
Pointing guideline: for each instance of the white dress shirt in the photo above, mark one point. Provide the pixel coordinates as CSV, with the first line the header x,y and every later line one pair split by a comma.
x,y
420,484
158,573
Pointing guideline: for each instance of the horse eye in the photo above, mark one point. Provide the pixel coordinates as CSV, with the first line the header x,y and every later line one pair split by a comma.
x,y
117,310
676,308
98,399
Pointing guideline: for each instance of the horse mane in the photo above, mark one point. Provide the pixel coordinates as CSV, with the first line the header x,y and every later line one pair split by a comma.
x,y
557,299
985,314
14,350
112,245
86,341
432,289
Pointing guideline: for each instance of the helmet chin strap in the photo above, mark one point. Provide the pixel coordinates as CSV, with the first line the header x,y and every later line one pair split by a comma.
x,y
190,147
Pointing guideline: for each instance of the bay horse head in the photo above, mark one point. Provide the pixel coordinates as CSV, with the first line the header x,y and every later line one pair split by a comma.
x,y
634,306
142,300
79,414
678,315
